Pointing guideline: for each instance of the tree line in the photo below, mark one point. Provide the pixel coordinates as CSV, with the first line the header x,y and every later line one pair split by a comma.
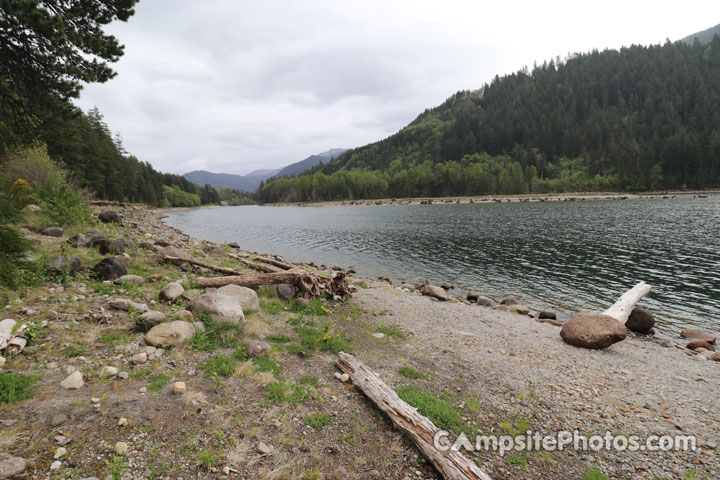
x,y
638,118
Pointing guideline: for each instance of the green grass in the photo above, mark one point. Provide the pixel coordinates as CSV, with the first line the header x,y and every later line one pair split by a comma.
x,y
111,338
312,338
216,335
157,381
282,392
15,387
439,411
266,364
595,474
117,467
314,307
219,366
519,462
267,292
74,351
411,373
518,428
391,331
207,458
318,420
309,380
272,307
280,338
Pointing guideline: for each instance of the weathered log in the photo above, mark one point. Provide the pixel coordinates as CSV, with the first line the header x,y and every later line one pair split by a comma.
x,y
225,270
277,263
451,464
309,284
621,309
253,265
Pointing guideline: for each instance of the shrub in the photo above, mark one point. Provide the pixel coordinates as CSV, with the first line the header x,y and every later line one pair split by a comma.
x,y
439,411
15,387
13,197
219,366
216,335
318,420
280,392
266,364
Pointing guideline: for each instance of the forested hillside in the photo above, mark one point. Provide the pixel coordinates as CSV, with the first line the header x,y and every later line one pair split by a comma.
x,y
704,36
639,118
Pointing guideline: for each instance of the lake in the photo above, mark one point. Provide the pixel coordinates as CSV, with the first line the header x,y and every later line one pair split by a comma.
x,y
565,256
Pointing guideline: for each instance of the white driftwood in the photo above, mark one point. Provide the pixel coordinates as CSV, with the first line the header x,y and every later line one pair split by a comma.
x,y
6,331
451,464
621,309
15,346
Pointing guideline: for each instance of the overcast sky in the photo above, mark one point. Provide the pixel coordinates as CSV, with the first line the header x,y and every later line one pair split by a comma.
x,y
236,85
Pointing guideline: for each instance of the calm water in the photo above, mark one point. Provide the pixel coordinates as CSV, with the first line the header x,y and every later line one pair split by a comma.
x,y
562,255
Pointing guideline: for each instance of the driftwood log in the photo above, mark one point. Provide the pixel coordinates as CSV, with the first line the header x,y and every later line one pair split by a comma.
x,y
309,284
451,464
621,309
225,270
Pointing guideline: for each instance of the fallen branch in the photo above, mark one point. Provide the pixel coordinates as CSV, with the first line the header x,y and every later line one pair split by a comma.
x,y
451,464
277,263
253,265
227,271
621,309
309,284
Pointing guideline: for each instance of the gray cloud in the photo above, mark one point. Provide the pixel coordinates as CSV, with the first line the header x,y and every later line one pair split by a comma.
x,y
234,86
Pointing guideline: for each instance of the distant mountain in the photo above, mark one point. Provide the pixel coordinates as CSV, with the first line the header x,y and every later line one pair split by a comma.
x,y
251,181
299,167
704,36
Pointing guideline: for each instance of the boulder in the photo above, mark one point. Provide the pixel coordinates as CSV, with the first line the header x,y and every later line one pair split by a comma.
x,y
149,319
191,295
179,388
640,321
214,250
109,268
12,466
79,240
435,292
184,315
593,331
107,372
170,333
519,308
136,279
547,315
127,305
52,232
697,335
171,251
510,301
139,358
112,246
171,292
58,266
473,295
109,216
286,291
257,348
73,381
221,308
246,296
696,344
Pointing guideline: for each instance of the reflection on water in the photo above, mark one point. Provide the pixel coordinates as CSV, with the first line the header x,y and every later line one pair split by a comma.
x,y
563,255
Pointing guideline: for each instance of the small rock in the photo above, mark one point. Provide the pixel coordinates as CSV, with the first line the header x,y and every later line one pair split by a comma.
x,y
95,400
547,315
55,465
171,292
344,377
109,268
669,342
700,358
139,358
263,449
220,307
58,419
185,315
375,473
107,371
73,381
510,300
136,279
257,348
697,335
150,350
122,422
127,305
124,375
378,335
286,291
434,291
12,466
179,388
640,321
112,246
109,216
303,302
52,232
700,345
246,296
143,390
519,308
715,356
170,333
121,448
59,452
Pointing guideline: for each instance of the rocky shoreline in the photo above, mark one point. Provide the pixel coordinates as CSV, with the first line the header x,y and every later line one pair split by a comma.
x,y
113,400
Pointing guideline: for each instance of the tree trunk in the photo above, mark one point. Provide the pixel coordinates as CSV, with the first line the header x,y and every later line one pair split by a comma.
x,y
621,309
309,284
256,266
451,464
225,270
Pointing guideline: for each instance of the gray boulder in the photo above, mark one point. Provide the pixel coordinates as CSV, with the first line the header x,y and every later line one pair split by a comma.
x,y
257,348
171,292
52,232
593,331
435,292
127,305
640,321
112,246
60,265
109,268
286,291
246,296
170,333
510,300
136,279
151,318
12,466
221,308
109,216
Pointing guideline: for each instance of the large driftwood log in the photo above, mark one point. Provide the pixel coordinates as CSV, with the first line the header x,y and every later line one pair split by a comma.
x,y
277,263
451,464
225,270
253,265
309,284
621,309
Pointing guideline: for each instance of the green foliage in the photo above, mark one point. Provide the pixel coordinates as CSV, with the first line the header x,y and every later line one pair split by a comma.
x,y
266,364
64,206
216,335
309,380
314,308
594,474
175,197
208,459
390,330
439,411
239,354
411,373
284,392
117,467
318,420
518,428
312,338
279,338
74,351
157,381
33,331
15,387
13,197
272,307
219,366
519,462
111,338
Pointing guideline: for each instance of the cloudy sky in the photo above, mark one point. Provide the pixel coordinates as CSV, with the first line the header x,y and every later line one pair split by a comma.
x,y
236,85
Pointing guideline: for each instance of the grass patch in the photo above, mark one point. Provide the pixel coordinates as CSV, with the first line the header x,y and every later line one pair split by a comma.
x,y
207,458
411,373
15,387
518,428
390,331
519,462
312,338
314,307
309,380
439,411
318,420
219,366
111,338
216,335
272,307
280,338
74,351
596,474
282,392
266,364
267,292
157,381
